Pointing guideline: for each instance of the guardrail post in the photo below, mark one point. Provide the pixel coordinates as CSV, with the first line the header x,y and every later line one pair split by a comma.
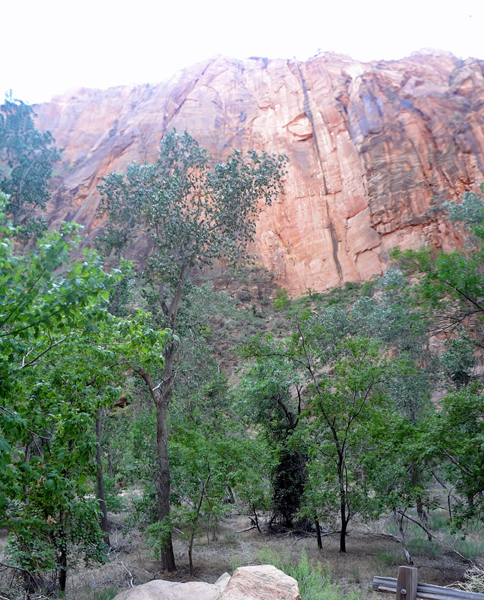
x,y
407,583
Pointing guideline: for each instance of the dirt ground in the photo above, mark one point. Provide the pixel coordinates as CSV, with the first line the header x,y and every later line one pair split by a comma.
x,y
237,544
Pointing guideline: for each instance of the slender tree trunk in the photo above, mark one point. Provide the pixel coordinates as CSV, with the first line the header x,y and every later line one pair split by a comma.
x,y
342,499
318,534
190,551
344,525
399,518
421,512
62,561
100,479
163,481
161,395
231,495
423,518
256,518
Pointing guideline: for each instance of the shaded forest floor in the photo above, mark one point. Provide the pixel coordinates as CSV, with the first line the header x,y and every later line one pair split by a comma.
x,y
368,554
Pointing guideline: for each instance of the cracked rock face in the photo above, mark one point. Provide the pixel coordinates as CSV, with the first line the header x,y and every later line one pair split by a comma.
x,y
374,148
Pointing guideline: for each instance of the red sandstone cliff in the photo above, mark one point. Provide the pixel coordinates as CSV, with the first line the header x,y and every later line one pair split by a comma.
x,y
374,149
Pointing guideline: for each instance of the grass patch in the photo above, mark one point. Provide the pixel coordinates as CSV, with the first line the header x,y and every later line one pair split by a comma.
x,y
385,559
108,594
470,548
422,547
314,581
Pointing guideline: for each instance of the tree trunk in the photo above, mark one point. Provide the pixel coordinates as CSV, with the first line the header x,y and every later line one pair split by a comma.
x,y
256,518
161,396
399,518
423,518
190,556
163,482
100,479
342,499
318,534
163,479
62,560
344,525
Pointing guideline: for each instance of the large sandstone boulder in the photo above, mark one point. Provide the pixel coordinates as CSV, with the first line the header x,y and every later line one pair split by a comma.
x,y
263,582
172,590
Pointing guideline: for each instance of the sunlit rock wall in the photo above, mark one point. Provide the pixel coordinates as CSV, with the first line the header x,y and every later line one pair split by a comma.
x,y
374,149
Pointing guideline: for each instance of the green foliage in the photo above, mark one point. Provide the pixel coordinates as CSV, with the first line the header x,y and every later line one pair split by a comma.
x,y
458,360
316,395
450,287
26,158
282,300
345,402
158,536
194,213
313,580
265,398
458,436
60,352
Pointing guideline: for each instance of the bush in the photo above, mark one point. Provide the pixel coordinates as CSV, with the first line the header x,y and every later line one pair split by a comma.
x,y
282,299
314,581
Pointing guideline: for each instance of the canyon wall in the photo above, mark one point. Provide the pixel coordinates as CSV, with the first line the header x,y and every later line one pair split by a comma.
x,y
374,149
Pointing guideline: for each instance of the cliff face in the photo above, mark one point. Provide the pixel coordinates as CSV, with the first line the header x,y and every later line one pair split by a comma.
x,y
374,149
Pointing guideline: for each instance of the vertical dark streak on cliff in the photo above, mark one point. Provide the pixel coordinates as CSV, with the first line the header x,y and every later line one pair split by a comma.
x,y
310,116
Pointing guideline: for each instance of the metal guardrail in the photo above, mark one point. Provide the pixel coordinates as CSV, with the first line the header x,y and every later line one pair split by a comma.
x,y
406,587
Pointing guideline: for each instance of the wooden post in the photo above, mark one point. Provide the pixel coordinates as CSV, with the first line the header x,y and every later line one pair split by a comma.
x,y
407,583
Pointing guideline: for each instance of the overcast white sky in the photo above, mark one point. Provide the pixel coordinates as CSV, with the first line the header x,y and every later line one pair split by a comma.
x,y
49,46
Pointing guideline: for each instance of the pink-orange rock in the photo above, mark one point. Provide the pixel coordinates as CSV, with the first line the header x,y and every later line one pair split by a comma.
x,y
374,149
263,582
160,589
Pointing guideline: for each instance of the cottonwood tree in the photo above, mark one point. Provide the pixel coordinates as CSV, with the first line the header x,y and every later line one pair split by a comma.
x,y
450,289
270,396
194,213
54,374
339,381
451,285
26,159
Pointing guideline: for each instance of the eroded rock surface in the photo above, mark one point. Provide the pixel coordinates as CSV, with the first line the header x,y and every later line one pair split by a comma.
x,y
374,148
263,582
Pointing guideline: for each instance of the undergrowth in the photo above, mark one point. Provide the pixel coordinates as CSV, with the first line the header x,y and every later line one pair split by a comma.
x,y
313,579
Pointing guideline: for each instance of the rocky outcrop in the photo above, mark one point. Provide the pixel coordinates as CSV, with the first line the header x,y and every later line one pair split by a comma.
x,y
374,148
247,583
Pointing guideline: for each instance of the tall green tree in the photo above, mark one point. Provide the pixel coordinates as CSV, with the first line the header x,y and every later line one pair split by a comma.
x,y
450,289
344,402
52,364
26,159
451,285
194,212
339,380
270,397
